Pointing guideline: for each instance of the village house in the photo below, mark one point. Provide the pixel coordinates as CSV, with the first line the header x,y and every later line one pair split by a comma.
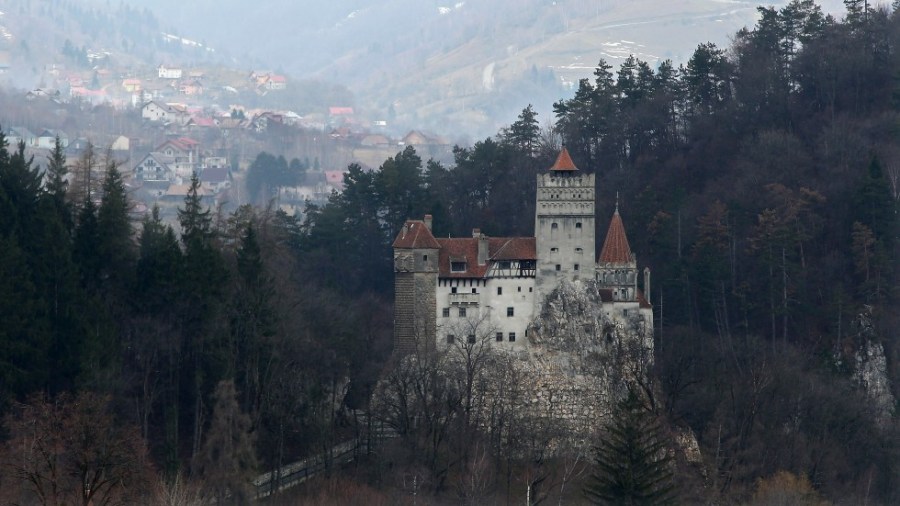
x,y
276,82
131,85
18,134
120,143
169,72
155,111
215,179
156,166
47,139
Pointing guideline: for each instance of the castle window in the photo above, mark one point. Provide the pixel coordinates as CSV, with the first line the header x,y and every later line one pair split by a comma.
x,y
499,290
424,258
576,267
509,311
579,250
445,312
457,267
450,338
520,289
471,338
453,289
462,311
474,290
499,337
578,225
530,289
512,337
558,267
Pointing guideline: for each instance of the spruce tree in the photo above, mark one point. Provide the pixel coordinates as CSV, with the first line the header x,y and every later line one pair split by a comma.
x,y
56,182
116,245
158,266
632,464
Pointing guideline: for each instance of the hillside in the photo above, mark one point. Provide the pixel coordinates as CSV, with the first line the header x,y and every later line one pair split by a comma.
x,y
65,35
460,66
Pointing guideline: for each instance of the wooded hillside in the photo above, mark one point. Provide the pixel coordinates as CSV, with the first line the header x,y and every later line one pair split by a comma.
x,y
759,182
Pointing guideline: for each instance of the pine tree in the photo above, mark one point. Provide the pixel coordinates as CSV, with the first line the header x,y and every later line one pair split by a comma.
x,y
632,464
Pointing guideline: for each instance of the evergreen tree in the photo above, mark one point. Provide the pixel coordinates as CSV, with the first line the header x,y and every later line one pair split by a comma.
x,y
158,266
202,280
632,460
252,321
56,184
524,134
84,249
24,336
875,206
116,245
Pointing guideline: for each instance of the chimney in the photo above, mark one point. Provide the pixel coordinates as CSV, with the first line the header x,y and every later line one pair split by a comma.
x,y
405,229
428,222
647,283
482,246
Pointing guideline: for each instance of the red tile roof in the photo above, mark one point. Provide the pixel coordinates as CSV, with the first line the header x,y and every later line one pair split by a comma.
x,y
415,235
460,250
512,248
643,300
564,162
466,249
615,248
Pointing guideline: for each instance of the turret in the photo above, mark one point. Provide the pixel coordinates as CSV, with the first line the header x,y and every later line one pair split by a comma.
x,y
415,281
564,225
617,266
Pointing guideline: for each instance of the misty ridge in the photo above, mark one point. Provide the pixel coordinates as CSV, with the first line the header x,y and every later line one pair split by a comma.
x,y
460,68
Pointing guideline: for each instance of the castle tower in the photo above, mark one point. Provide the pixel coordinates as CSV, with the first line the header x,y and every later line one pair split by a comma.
x,y
563,225
415,285
617,265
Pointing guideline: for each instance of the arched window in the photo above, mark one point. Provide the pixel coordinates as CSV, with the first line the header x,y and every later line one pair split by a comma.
x,y
553,230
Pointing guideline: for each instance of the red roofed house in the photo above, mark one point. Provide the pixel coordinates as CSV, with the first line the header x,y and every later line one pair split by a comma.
x,y
452,290
276,82
335,179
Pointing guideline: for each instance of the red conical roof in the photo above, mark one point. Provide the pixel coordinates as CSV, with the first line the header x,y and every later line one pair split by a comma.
x,y
616,249
564,162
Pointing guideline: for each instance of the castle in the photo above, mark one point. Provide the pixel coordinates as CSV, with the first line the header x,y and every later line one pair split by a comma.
x,y
465,290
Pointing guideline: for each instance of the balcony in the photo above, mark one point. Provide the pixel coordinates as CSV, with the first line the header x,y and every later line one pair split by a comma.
x,y
464,298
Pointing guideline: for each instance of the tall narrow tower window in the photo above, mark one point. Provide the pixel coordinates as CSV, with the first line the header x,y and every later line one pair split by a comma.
x,y
553,229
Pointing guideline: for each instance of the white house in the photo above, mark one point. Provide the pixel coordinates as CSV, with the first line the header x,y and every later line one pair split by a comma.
x,y
156,167
169,72
15,135
155,111
47,139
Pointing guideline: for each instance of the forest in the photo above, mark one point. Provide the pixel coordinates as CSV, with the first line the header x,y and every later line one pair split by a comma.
x,y
760,183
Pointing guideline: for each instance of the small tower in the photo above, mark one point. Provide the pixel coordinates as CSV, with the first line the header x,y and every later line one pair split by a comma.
x,y
563,225
415,284
617,266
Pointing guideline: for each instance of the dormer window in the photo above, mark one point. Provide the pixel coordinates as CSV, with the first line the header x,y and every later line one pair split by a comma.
x,y
457,267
